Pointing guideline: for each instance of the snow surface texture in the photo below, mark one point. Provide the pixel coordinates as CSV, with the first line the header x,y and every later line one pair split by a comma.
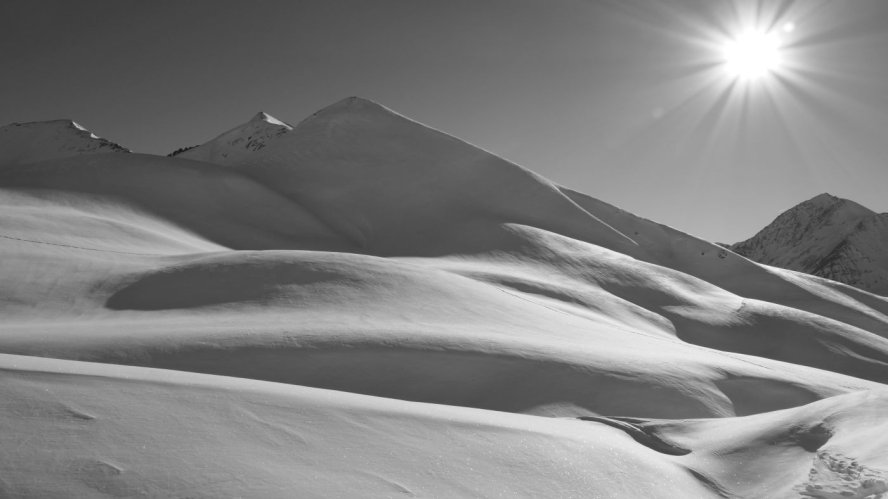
x,y
829,237
29,142
362,306
237,143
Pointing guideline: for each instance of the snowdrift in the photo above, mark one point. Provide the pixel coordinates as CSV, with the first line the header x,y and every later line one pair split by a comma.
x,y
363,305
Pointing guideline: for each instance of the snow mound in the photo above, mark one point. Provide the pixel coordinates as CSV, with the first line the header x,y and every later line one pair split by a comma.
x,y
77,429
417,316
237,144
31,142
830,449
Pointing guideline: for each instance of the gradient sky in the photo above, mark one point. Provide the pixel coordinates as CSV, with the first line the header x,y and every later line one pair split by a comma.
x,y
624,100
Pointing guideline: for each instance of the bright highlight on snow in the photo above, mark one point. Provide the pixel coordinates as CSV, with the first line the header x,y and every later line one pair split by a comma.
x,y
752,55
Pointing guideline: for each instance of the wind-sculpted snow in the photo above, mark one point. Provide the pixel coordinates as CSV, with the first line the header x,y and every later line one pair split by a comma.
x,y
74,429
833,448
364,306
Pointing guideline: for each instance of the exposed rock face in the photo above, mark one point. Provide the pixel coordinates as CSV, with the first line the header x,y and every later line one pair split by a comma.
x,y
828,237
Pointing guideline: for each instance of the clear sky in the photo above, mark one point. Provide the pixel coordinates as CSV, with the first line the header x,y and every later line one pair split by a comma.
x,y
628,101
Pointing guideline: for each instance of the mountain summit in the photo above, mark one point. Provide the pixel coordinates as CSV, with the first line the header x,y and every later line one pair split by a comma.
x,y
395,186
35,141
829,237
237,143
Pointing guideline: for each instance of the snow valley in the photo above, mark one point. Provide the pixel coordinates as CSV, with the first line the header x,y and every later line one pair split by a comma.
x,y
362,306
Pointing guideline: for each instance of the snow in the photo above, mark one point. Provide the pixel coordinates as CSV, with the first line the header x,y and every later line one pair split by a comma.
x,y
22,143
829,237
833,449
365,306
88,430
239,142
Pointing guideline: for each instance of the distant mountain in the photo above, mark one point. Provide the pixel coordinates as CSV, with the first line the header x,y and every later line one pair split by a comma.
x,y
239,142
22,143
828,237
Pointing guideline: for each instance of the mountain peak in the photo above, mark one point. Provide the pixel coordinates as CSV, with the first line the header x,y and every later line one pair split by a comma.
x,y
58,124
354,102
29,142
264,117
826,236
236,144
840,209
824,198
352,105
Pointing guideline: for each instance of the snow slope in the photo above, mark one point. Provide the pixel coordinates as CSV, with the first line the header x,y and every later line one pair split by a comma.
x,y
74,429
829,237
41,140
93,430
831,449
367,306
237,144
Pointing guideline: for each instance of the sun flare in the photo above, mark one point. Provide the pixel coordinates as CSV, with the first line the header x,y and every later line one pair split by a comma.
x,y
752,55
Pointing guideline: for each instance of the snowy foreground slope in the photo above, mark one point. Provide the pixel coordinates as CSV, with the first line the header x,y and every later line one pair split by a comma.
x,y
361,306
829,237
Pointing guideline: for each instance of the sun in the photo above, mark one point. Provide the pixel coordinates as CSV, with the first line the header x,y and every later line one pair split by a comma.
x,y
752,55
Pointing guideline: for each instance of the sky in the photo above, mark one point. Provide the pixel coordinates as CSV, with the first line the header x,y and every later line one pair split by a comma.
x,y
626,100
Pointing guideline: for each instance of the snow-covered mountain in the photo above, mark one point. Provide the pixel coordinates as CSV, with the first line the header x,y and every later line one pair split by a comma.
x,y
237,143
364,306
41,140
828,237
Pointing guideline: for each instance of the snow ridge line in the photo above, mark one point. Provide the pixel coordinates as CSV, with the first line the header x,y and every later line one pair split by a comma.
x,y
80,247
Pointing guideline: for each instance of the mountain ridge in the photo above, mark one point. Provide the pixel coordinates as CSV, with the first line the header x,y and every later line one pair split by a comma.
x,y
826,236
30,142
239,142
